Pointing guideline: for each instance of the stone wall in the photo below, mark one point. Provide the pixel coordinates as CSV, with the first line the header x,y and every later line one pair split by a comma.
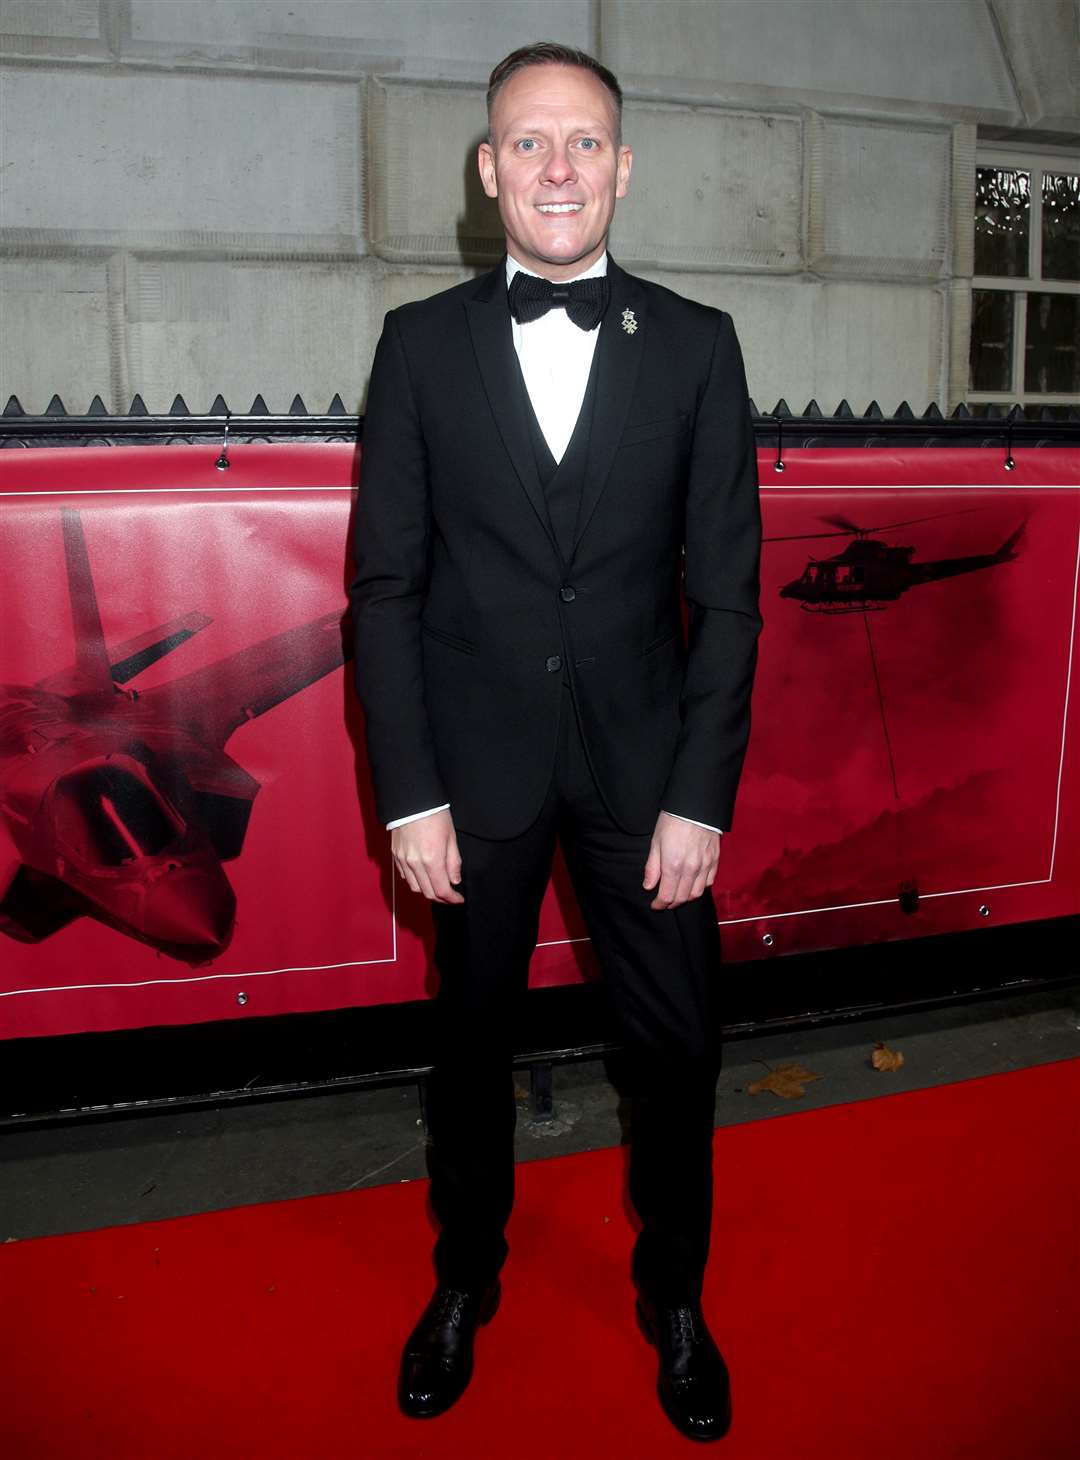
x,y
227,195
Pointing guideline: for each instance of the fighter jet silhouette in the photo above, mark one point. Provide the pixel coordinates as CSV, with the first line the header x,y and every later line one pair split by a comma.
x,y
122,804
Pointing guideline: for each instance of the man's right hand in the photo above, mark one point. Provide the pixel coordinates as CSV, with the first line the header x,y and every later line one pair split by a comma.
x,y
426,855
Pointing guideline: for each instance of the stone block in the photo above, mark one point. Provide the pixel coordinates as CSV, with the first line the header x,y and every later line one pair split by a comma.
x,y
243,328
55,316
403,288
52,28
182,161
879,199
805,340
711,189
1042,39
51,18
883,342
774,321
922,55
426,200
447,39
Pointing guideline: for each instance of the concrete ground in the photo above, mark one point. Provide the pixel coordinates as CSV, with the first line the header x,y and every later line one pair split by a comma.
x,y
65,1178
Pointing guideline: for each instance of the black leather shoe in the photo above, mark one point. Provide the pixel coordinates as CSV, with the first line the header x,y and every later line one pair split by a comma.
x,y
437,1363
693,1382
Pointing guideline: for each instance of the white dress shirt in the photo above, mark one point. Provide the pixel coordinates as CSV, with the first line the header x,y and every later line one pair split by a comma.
x,y
555,356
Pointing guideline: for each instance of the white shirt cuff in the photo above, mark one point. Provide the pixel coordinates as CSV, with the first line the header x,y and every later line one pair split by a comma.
x,y
692,822
416,816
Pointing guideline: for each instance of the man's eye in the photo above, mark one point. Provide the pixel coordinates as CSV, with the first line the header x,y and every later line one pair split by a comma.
x,y
527,144
589,144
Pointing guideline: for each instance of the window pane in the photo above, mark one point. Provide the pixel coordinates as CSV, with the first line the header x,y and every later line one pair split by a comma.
x,y
1002,216
991,340
1052,348
1061,225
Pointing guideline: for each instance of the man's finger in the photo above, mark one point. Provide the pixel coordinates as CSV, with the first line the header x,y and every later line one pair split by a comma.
x,y
441,890
453,860
682,888
652,868
689,883
706,877
669,885
686,887
405,872
420,872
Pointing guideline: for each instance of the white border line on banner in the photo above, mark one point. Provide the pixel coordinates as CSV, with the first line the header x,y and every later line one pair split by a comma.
x,y
146,983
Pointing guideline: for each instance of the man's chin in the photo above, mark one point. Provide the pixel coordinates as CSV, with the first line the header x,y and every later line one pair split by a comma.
x,y
562,253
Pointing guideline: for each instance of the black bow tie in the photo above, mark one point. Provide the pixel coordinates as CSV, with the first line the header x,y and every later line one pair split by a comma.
x,y
584,301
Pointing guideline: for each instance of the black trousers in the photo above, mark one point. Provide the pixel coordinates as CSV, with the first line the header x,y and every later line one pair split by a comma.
x,y
660,969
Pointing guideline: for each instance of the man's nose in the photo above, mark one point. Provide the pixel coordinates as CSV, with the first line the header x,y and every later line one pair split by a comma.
x,y
560,168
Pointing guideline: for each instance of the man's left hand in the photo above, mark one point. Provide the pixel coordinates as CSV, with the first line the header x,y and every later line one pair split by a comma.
x,y
682,858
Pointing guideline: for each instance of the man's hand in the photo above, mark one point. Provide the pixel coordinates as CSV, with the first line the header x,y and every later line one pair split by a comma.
x,y
682,858
426,854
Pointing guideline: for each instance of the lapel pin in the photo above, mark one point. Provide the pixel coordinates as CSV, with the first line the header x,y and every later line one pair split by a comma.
x,y
629,323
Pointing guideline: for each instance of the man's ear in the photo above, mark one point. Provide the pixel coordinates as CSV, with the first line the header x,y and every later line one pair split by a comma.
x,y
622,172
485,161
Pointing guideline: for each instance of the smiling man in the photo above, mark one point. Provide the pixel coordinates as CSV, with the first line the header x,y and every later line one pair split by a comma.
x,y
558,456
556,163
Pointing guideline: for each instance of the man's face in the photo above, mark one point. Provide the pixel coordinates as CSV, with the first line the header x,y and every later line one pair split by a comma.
x,y
555,166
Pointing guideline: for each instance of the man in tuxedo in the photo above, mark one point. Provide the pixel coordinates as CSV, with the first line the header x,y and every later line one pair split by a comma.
x,y
554,455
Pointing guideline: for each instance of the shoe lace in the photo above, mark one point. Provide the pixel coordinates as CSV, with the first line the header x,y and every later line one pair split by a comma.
x,y
682,1323
449,1303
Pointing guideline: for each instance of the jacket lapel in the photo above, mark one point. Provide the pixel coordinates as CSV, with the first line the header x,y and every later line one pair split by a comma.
x,y
619,351
489,324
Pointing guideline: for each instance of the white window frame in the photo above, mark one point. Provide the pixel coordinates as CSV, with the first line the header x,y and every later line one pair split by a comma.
x,y
1034,161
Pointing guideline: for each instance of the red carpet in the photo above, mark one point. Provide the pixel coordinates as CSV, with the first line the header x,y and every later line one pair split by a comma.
x,y
894,1278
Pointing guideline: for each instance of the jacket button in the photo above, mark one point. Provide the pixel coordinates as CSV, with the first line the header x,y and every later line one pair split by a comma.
x,y
567,594
553,664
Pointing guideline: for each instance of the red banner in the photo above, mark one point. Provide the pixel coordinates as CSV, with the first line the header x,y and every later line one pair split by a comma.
x,y
187,828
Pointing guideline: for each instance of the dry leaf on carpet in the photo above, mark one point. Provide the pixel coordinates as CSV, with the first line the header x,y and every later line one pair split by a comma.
x,y
885,1058
788,1081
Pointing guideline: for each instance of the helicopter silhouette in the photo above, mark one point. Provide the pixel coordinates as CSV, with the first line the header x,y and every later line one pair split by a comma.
x,y
869,573
122,803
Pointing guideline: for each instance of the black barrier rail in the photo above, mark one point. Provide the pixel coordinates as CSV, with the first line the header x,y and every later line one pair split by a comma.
x,y
74,1077
967,425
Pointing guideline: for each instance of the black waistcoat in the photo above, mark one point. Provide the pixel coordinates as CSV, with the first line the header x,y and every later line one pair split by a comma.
x,y
563,481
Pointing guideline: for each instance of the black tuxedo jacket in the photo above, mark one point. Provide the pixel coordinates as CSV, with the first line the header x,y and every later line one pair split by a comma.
x,y
466,614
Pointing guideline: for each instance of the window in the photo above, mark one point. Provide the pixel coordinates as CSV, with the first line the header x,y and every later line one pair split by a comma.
x,y
1025,308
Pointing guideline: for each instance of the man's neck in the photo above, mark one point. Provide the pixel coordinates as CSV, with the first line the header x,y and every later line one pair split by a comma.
x,y
558,274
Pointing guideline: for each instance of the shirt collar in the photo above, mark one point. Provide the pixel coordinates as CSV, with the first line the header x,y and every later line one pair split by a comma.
x,y
598,270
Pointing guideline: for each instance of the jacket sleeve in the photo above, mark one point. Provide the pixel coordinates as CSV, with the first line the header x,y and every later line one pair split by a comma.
x,y
721,583
392,549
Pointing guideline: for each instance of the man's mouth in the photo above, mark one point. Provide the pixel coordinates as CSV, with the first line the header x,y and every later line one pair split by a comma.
x,y
560,207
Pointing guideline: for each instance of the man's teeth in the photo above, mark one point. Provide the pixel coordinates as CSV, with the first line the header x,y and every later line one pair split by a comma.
x,y
560,207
